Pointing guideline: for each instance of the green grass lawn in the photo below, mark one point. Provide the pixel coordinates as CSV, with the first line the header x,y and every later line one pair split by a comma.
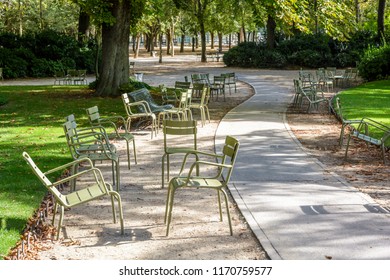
x,y
31,119
370,100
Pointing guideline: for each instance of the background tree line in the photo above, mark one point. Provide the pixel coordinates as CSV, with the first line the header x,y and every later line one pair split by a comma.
x,y
94,34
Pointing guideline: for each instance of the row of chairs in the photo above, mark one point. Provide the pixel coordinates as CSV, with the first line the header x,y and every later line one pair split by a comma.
x,y
87,146
218,83
309,94
71,77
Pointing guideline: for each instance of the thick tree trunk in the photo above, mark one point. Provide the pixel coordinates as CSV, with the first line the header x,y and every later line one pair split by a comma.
x,y
271,37
381,18
115,51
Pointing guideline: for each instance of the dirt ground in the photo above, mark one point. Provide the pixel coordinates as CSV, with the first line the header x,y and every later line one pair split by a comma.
x,y
364,169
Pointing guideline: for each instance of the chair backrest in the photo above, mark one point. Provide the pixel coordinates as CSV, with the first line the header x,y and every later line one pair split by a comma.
x,y
71,138
93,115
143,94
339,111
180,128
229,151
182,85
230,78
195,78
183,101
220,80
42,177
197,90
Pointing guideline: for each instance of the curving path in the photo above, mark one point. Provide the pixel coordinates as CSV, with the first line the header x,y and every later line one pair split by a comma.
x,y
296,209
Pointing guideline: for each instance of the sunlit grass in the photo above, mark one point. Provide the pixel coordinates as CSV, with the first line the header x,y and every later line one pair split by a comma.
x,y
370,100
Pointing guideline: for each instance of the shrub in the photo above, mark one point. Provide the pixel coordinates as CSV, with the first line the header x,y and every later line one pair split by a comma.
x,y
13,66
375,63
307,58
41,67
133,85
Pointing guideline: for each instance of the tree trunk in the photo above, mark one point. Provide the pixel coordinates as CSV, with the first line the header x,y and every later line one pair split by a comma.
x,y
84,23
271,37
115,50
160,55
381,18
212,40
203,41
138,42
357,11
183,37
220,41
168,41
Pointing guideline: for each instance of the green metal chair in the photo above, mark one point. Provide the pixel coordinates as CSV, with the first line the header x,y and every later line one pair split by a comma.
x,y
344,122
96,189
94,145
218,182
202,104
96,120
180,111
231,80
133,112
185,134
96,132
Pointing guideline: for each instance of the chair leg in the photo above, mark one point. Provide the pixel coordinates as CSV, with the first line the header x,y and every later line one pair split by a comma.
x,y
346,148
135,152
227,211
169,207
116,196
219,206
341,139
60,221
128,154
163,170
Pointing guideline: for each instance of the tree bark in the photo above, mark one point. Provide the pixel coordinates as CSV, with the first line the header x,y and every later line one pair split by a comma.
x,y
381,18
84,23
183,37
271,37
114,69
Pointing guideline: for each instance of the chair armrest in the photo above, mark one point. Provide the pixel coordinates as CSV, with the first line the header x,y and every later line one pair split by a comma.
x,y
72,163
96,173
197,164
141,103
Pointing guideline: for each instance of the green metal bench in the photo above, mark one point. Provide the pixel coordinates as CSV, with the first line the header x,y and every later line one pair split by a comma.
x,y
372,132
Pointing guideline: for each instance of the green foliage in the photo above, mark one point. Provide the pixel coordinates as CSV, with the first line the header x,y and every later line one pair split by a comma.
x,y
13,66
133,85
375,63
302,50
41,54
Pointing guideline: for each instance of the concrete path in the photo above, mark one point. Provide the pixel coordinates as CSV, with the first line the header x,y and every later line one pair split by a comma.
x,y
296,209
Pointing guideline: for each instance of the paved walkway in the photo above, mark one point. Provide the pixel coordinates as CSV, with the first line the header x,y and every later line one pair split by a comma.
x,y
296,209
